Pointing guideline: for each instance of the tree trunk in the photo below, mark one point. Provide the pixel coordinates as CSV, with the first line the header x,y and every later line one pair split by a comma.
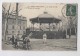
x,y
6,26
75,31
70,33
66,33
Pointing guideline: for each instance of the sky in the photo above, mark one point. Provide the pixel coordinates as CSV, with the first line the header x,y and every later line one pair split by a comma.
x,y
31,10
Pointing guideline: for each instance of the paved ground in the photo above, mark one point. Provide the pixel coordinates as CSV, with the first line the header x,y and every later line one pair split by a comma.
x,y
51,45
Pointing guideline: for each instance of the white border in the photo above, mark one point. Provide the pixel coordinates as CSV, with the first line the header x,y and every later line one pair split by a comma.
x,y
41,53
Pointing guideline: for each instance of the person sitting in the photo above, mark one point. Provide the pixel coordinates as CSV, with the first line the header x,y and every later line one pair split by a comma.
x,y
23,36
28,43
16,46
24,44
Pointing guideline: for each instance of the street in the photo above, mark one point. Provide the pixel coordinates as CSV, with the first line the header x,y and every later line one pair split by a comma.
x,y
51,45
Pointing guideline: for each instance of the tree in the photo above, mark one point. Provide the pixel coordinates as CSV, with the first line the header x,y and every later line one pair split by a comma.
x,y
5,14
7,11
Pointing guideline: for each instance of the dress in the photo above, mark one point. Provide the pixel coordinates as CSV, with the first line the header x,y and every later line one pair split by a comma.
x,y
44,38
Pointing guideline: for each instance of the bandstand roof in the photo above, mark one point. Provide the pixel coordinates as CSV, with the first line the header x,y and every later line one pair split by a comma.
x,y
45,18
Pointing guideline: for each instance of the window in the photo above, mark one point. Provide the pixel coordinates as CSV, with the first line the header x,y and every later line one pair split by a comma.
x,y
12,27
24,32
23,27
10,21
13,20
20,27
19,21
7,32
23,22
12,32
18,32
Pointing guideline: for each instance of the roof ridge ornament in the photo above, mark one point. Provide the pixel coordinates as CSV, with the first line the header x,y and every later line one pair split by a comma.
x,y
45,12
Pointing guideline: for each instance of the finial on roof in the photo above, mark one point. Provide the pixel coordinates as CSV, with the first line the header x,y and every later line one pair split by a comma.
x,y
45,12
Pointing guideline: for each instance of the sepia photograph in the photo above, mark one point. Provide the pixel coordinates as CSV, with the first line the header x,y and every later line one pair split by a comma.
x,y
39,26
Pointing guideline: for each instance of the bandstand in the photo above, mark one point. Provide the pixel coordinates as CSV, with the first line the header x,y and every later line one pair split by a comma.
x,y
46,18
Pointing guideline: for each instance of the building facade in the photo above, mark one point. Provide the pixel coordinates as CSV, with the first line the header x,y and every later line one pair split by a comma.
x,y
14,26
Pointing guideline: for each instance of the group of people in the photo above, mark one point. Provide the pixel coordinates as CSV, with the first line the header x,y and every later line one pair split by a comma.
x,y
25,41
15,40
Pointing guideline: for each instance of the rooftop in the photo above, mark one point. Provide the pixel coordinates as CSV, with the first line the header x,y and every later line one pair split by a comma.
x,y
19,17
45,18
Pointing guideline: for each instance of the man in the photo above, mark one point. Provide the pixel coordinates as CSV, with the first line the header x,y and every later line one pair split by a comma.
x,y
28,46
12,39
28,43
16,41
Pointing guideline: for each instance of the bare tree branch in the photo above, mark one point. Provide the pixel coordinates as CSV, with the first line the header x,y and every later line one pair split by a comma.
x,y
13,11
3,7
9,8
19,10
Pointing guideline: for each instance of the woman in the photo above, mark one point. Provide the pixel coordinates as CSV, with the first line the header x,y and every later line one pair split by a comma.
x,y
44,38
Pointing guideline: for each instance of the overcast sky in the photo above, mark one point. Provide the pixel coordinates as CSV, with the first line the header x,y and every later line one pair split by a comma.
x,y
31,10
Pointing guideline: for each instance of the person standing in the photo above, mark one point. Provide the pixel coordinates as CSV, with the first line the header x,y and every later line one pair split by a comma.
x,y
17,40
12,39
16,46
44,38
28,45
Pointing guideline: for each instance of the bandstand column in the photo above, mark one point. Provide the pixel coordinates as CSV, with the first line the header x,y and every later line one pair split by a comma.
x,y
59,26
49,26
33,26
56,27
40,26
